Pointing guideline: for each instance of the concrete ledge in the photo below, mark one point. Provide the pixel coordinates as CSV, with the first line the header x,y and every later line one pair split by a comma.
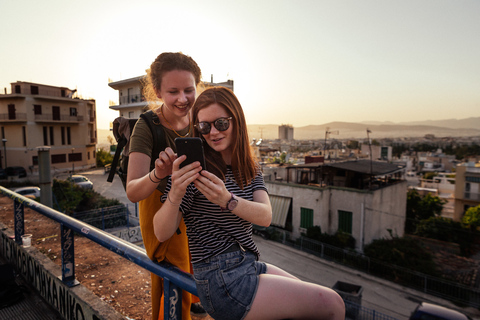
x,y
43,274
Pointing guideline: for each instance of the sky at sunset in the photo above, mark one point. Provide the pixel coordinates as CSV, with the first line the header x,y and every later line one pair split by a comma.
x,y
293,62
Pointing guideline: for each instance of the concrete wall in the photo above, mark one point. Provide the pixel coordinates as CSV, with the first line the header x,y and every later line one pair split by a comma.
x,y
76,303
373,212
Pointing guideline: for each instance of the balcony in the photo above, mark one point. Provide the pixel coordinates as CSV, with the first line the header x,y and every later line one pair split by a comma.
x,y
57,118
472,196
133,98
473,170
13,117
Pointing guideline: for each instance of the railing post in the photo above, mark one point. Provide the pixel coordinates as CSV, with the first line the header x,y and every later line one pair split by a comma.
x,y
68,256
19,220
172,302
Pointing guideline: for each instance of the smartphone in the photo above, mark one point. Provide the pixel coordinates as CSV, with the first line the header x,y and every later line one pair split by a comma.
x,y
193,149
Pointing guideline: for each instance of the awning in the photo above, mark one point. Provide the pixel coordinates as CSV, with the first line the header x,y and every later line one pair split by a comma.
x,y
280,206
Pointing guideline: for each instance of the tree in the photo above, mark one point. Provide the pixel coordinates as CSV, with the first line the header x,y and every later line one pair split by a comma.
x,y
472,217
103,157
419,208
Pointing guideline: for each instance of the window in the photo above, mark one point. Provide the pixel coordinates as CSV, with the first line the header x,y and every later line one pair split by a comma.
x,y
45,136
17,89
59,158
73,112
345,221
306,218
69,138
55,113
34,89
37,109
52,142
24,135
62,130
11,112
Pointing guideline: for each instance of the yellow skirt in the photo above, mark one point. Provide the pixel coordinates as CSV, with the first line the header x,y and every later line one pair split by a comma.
x,y
174,250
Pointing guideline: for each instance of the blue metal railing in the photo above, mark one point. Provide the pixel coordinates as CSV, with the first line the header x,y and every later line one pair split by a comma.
x,y
174,279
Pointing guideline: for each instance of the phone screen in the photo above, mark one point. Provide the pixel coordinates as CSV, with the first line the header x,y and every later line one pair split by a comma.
x,y
193,149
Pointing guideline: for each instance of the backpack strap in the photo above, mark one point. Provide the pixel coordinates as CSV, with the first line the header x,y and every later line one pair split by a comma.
x,y
120,145
122,129
159,143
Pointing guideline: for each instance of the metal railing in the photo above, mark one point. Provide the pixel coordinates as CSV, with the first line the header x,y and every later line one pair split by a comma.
x,y
357,312
443,288
174,279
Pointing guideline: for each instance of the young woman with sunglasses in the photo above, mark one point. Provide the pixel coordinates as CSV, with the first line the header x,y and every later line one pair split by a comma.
x,y
219,204
170,88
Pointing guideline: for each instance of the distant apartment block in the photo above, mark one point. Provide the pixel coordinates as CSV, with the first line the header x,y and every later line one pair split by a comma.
x,y
285,132
467,188
378,152
35,115
132,103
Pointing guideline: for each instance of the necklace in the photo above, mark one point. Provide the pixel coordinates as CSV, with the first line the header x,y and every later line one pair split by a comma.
x,y
171,127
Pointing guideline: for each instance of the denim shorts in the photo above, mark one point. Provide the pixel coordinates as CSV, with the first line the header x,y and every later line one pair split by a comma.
x,y
227,283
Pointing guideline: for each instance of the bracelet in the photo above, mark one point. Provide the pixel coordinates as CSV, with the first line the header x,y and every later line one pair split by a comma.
x,y
151,177
175,204
156,175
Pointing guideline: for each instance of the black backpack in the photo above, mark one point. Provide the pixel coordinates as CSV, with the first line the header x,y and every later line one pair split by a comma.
x,y
122,130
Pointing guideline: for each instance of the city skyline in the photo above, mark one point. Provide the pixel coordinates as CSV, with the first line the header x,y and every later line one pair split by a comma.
x,y
300,63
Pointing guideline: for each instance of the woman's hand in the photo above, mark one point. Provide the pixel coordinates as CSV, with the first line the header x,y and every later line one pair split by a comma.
x,y
181,178
168,217
213,188
164,162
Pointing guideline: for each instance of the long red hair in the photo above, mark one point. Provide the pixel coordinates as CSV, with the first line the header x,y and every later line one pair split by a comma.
x,y
244,165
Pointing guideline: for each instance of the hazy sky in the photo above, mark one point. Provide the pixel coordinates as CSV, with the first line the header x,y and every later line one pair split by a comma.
x,y
293,62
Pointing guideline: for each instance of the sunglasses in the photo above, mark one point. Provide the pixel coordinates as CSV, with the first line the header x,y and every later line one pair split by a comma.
x,y
221,124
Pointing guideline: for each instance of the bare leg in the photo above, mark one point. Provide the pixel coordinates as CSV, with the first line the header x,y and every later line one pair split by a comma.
x,y
281,295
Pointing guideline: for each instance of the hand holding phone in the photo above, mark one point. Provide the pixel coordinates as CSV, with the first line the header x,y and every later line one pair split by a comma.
x,y
193,149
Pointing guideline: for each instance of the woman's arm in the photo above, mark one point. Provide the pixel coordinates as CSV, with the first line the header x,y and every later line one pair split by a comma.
x,y
167,218
140,181
258,211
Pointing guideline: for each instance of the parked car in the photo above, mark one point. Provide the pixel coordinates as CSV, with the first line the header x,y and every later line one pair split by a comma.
x,y
3,174
16,171
81,181
428,311
29,192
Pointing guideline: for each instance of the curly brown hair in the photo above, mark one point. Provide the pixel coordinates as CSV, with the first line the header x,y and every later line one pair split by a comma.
x,y
165,62
244,165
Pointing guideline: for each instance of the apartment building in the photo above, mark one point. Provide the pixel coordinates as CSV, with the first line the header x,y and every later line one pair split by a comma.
x,y
34,115
467,188
132,103
364,199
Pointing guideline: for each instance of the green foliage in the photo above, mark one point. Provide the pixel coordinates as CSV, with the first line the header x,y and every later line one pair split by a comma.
x,y
471,217
430,175
445,229
419,208
339,239
402,252
72,198
67,196
103,157
353,144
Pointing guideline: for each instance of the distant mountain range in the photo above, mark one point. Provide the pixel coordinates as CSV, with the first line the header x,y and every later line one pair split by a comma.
x,y
346,130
